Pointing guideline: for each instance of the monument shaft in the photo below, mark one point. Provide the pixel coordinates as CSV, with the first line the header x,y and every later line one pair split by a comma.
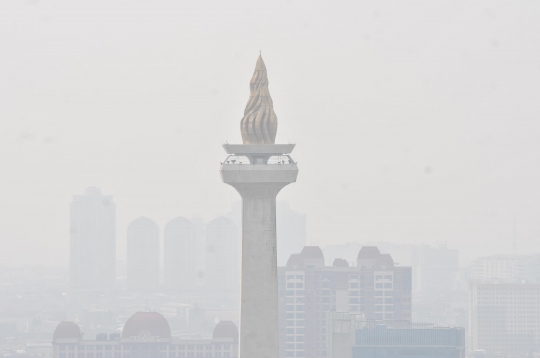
x,y
258,185
258,170
259,302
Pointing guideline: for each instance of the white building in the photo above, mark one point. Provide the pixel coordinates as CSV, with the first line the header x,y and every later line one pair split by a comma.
x,y
502,267
222,255
145,335
92,241
142,254
180,265
504,317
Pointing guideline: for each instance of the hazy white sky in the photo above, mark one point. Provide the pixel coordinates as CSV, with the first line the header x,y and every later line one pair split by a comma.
x,y
415,121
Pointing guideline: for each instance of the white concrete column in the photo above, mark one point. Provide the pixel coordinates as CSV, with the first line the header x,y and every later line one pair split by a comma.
x,y
259,327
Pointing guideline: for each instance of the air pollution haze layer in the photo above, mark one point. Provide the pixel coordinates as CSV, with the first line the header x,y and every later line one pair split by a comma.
x,y
415,122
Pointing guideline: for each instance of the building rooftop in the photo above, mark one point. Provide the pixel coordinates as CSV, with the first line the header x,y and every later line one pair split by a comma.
x,y
152,322
226,329
67,330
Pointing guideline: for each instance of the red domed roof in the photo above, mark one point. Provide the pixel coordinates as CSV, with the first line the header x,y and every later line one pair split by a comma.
x,y
312,252
340,263
67,330
226,329
295,262
385,260
153,323
368,252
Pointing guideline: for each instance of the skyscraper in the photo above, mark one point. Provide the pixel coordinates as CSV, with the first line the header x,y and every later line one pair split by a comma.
x,y
258,170
376,288
200,248
291,231
92,241
142,254
180,263
222,266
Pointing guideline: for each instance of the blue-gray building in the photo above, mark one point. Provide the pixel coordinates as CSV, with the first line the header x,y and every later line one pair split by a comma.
x,y
354,337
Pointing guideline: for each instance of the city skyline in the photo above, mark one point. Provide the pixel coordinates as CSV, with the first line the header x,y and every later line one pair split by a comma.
x,y
441,146
411,231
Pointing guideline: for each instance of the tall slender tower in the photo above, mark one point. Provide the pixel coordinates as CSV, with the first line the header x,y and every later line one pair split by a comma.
x,y
258,169
92,248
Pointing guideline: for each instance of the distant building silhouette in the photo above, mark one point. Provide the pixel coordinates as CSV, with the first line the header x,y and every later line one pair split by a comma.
x,y
222,259
435,268
142,254
291,231
511,267
92,241
375,288
180,263
200,248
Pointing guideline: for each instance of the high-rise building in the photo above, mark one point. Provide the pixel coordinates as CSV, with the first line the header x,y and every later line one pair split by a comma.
x,y
142,254
180,260
200,248
291,231
504,317
258,169
222,253
435,269
375,288
510,267
92,241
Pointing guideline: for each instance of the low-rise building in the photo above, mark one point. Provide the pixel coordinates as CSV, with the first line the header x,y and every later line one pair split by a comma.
x,y
145,335
352,336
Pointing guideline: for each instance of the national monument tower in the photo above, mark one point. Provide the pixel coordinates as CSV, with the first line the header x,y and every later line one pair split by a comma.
x,y
258,169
